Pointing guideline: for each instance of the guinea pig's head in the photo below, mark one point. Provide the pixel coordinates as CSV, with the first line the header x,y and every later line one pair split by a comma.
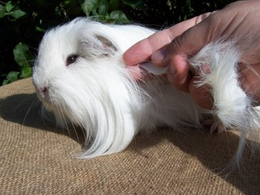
x,y
80,77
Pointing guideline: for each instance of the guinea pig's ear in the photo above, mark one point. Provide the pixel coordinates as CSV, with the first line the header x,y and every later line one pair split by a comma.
x,y
97,46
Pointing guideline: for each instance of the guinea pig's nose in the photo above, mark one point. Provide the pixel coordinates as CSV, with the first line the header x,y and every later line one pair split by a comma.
x,y
44,93
43,90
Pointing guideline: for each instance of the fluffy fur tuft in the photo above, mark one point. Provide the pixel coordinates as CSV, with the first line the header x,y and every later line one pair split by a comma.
x,y
232,107
79,75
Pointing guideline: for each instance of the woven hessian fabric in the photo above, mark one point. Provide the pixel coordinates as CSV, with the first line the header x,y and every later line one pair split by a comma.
x,y
38,158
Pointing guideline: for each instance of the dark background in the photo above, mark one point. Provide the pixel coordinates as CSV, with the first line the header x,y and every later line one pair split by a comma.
x,y
23,23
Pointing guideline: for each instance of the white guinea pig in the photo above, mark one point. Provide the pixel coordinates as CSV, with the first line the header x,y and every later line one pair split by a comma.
x,y
79,75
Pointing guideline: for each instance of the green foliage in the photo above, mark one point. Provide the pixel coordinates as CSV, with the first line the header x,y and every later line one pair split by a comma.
x,y
22,56
12,10
23,23
99,9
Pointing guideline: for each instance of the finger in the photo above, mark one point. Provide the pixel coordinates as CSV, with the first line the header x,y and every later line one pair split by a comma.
x,y
179,75
161,57
184,81
190,42
143,50
201,94
182,48
249,78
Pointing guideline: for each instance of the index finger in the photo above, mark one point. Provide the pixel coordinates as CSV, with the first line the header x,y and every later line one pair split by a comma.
x,y
143,49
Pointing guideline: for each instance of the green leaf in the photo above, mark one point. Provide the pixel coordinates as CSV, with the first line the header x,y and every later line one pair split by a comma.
x,y
103,8
22,54
39,29
26,72
118,16
9,6
2,11
12,76
135,4
89,6
17,13
5,82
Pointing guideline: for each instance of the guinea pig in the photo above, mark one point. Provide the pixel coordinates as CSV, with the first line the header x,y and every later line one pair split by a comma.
x,y
80,77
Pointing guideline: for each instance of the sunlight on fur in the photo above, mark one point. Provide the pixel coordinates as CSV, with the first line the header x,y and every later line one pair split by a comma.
x,y
80,77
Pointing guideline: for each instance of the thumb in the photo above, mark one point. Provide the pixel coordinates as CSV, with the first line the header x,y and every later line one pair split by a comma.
x,y
184,47
182,36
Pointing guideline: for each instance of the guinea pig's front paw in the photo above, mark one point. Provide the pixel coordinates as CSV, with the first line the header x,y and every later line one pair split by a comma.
x,y
213,126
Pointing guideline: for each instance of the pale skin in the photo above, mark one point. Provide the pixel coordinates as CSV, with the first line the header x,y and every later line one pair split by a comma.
x,y
173,46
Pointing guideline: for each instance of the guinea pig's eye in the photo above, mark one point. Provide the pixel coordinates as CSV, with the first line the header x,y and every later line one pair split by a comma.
x,y
71,59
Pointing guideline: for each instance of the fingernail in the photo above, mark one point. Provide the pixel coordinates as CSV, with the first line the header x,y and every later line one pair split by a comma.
x,y
158,56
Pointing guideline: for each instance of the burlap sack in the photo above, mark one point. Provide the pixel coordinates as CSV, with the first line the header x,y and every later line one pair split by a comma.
x,y
38,158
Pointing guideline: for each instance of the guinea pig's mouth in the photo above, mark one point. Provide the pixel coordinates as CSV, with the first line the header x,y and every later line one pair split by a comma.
x,y
43,96
45,100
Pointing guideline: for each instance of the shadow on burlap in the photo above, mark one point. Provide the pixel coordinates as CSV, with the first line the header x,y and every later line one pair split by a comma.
x,y
39,158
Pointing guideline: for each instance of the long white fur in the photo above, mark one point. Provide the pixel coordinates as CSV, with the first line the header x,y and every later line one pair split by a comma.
x,y
233,107
99,94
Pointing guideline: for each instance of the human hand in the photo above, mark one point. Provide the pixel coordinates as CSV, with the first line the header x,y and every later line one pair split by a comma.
x,y
172,47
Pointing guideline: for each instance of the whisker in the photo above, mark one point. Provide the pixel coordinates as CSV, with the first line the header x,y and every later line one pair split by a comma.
x,y
34,103
24,101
